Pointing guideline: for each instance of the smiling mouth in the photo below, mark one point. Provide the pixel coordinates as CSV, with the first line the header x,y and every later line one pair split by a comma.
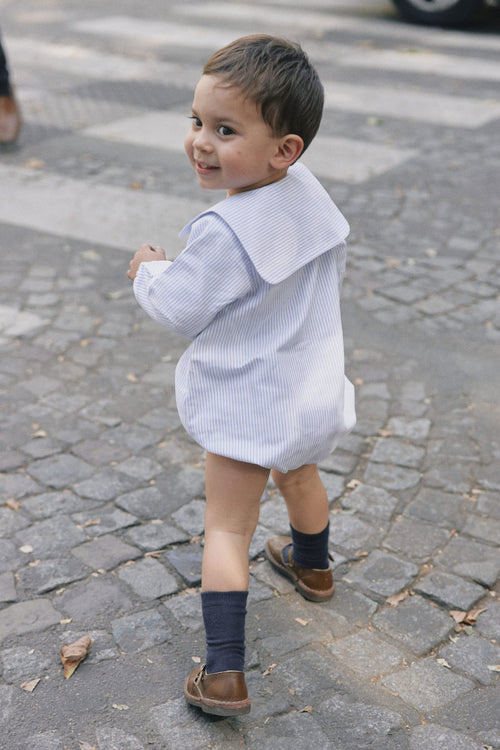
x,y
203,168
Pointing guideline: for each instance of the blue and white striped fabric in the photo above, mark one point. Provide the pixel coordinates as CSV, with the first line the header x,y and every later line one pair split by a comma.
x,y
257,291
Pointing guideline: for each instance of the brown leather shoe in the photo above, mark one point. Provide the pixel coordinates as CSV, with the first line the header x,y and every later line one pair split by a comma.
x,y
10,119
315,585
221,693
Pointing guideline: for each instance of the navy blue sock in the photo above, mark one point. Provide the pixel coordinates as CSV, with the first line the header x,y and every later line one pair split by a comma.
x,y
310,550
224,618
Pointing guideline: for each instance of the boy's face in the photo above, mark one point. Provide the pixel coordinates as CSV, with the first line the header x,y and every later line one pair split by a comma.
x,y
229,144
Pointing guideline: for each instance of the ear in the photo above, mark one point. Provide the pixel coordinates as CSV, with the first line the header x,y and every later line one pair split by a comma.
x,y
288,151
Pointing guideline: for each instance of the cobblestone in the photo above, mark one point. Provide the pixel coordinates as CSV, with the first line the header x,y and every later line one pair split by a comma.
x,y
102,491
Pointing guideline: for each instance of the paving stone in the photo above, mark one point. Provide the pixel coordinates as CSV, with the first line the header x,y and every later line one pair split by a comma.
x,y
473,656
60,471
140,467
488,622
23,663
51,537
50,504
468,558
264,573
187,610
10,557
27,617
49,740
7,587
334,485
148,503
486,529
451,476
179,485
258,543
139,631
489,503
366,654
356,725
391,477
94,601
273,516
180,726
309,673
440,508
109,738
11,521
432,736
191,517
371,501
354,606
489,477
352,534
106,552
50,574
156,536
449,590
103,521
299,729
100,452
382,575
419,541
149,579
17,486
11,459
427,685
394,451
415,623
475,713
106,485
412,429
187,562
339,463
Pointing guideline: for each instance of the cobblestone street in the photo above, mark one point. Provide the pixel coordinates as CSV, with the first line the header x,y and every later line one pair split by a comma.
x,y
102,491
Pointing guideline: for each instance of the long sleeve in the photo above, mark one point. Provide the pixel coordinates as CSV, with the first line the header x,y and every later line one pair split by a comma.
x,y
185,295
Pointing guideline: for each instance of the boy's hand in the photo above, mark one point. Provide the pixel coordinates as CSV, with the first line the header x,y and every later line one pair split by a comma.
x,y
145,254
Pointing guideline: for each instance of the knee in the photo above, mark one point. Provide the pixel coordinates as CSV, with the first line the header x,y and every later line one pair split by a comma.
x,y
295,478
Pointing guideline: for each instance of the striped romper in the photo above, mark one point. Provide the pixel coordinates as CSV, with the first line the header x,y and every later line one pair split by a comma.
x,y
257,290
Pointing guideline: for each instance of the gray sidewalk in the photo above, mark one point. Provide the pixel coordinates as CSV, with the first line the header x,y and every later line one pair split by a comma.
x,y
101,491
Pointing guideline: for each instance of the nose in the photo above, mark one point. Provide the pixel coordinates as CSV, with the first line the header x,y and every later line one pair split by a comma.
x,y
202,141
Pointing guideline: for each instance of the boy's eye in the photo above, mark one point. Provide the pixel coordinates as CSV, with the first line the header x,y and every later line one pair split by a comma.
x,y
196,121
225,130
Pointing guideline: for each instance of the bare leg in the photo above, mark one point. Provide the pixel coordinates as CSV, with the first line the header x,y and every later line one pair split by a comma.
x,y
305,497
233,491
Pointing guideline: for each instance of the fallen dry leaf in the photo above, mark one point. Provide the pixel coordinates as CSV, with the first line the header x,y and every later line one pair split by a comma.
x,y
120,706
466,618
72,654
306,710
12,503
196,659
85,746
443,663
30,685
494,667
396,598
301,621
269,670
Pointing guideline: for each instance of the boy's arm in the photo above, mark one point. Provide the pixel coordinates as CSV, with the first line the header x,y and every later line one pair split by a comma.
x,y
210,273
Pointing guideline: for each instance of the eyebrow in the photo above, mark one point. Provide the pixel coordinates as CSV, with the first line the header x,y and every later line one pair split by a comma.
x,y
224,119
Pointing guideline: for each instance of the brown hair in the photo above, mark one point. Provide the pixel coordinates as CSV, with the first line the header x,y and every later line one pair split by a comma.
x,y
277,75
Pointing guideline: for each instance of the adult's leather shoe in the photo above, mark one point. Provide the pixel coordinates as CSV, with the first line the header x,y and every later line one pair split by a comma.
x,y
10,119
220,693
314,584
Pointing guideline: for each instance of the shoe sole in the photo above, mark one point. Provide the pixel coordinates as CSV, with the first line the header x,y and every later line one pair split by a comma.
x,y
309,594
218,708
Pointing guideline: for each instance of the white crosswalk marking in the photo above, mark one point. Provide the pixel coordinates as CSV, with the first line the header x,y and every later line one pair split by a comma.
x,y
123,218
425,106
101,214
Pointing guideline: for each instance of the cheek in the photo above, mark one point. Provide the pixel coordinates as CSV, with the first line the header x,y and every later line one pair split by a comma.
x,y
188,144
